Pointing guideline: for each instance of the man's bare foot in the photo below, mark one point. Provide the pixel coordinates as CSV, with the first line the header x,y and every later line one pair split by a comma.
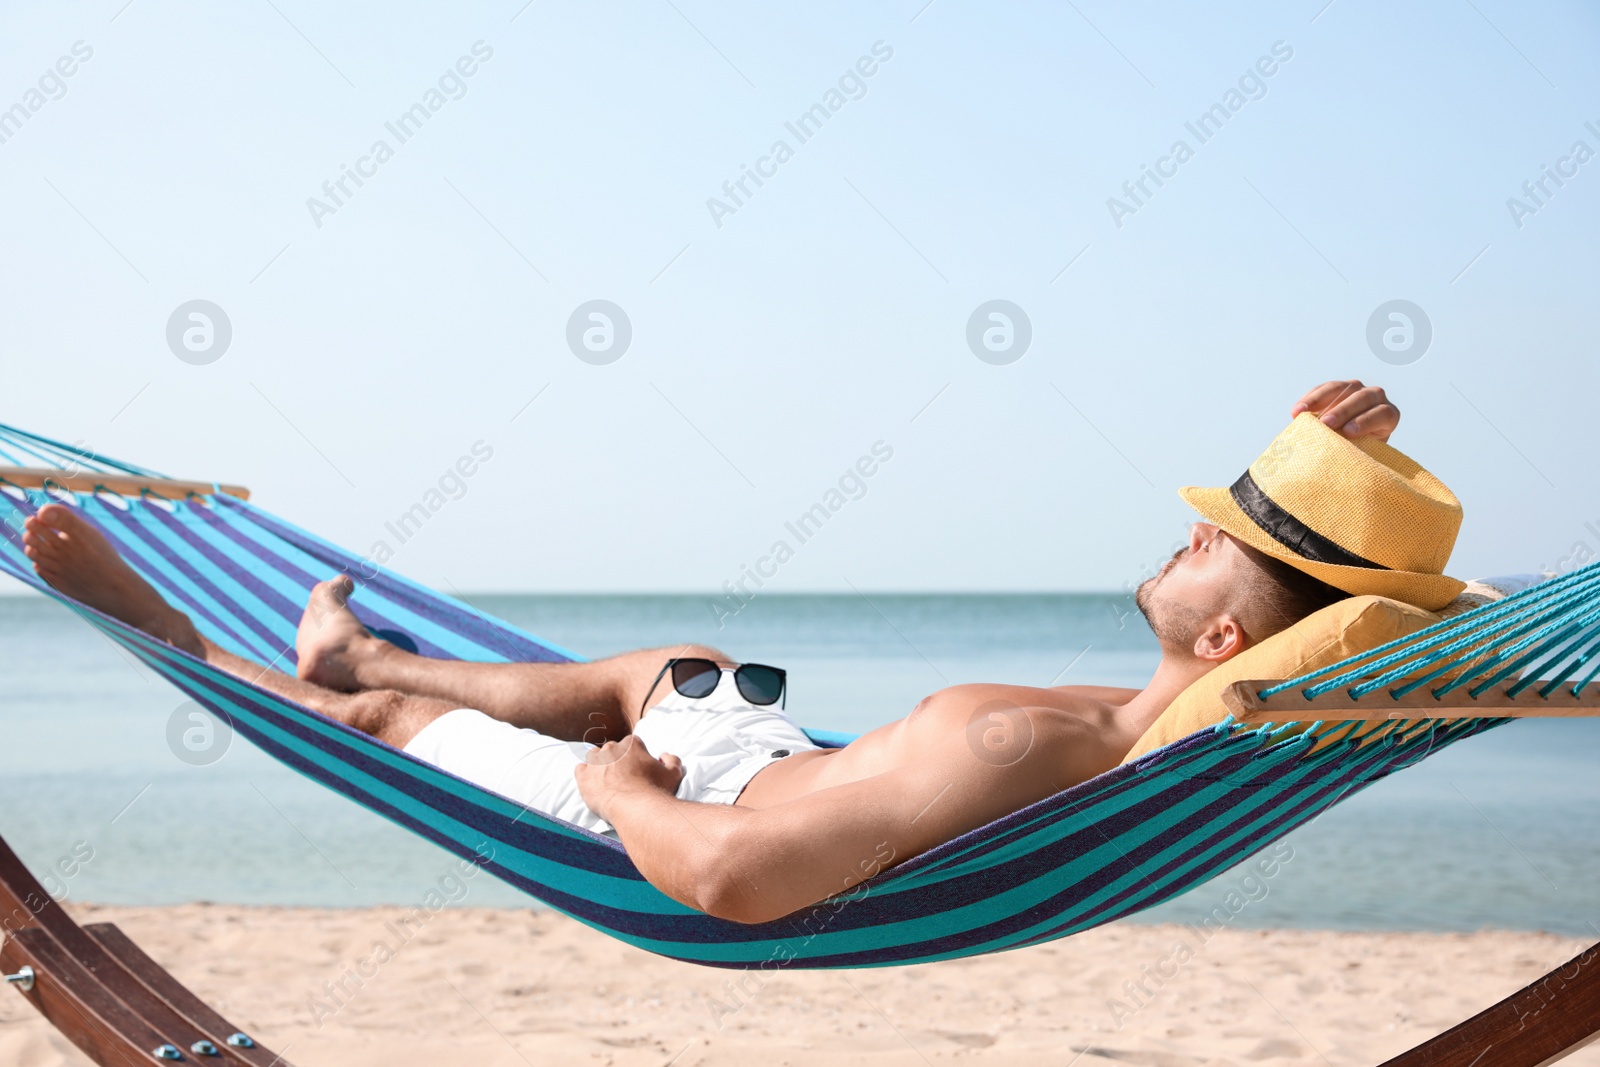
x,y
75,558
331,643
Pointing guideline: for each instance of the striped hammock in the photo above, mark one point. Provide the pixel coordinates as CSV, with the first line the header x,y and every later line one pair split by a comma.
x,y
1130,839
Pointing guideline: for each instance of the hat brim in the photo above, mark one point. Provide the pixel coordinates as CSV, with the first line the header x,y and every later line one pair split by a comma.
x,y
1428,591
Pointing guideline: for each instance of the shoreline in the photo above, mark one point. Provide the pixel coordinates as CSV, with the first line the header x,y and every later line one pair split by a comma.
x,y
498,986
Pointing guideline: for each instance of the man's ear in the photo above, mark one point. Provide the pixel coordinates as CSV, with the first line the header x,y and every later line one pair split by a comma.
x,y
1221,639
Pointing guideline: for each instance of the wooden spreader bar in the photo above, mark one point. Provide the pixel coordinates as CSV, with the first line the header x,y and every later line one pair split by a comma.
x,y
102,992
1378,706
123,484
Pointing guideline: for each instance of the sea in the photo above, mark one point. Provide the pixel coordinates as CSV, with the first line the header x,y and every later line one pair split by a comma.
x,y
106,802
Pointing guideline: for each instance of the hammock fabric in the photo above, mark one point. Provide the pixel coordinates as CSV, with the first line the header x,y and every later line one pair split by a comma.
x,y
1130,839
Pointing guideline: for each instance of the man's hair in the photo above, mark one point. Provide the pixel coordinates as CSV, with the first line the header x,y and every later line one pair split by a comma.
x,y
1278,595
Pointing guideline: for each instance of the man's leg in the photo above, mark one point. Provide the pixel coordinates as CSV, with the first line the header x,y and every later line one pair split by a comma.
x,y
75,558
594,702
340,661
385,714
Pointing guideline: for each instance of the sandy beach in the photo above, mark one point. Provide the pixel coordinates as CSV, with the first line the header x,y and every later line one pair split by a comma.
x,y
500,987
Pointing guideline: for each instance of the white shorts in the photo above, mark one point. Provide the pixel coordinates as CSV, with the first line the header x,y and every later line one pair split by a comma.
x,y
722,740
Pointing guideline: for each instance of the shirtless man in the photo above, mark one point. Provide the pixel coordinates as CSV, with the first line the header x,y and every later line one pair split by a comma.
x,y
721,801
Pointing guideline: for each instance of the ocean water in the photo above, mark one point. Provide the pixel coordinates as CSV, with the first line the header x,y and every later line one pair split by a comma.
x,y
1499,831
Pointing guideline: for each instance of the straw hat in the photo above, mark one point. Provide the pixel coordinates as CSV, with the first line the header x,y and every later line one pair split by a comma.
x,y
1359,515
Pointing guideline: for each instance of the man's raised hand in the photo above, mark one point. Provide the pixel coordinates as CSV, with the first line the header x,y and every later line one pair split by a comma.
x,y
1353,409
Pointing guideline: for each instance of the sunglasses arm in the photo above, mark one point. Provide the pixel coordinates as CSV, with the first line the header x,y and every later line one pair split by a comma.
x,y
659,675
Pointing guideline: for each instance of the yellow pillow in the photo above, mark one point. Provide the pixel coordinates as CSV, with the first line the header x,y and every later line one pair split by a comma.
x,y
1321,639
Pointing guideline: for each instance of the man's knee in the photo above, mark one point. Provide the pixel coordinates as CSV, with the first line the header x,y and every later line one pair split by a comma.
x,y
646,681
697,652
374,711
392,717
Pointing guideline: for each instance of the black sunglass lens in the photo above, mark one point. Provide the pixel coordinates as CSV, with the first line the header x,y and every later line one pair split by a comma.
x,y
759,684
695,678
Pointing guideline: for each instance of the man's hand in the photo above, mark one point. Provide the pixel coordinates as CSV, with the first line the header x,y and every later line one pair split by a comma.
x,y
617,768
1353,409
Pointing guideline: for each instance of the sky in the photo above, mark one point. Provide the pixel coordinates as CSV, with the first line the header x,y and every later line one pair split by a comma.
x,y
787,338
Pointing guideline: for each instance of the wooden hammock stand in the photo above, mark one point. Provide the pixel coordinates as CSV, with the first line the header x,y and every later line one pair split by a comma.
x,y
102,992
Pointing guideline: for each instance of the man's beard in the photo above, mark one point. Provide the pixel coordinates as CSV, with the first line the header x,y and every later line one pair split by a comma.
x,y
1144,598
1173,622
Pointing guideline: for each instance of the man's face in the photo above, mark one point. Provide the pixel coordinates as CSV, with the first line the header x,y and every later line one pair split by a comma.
x,y
1191,587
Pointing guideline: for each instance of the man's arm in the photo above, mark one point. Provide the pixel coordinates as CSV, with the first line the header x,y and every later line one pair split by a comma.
x,y
754,865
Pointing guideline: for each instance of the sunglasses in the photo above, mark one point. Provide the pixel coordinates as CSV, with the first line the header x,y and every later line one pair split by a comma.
x,y
696,678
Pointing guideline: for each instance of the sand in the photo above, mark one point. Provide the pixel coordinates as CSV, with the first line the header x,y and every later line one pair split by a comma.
x,y
492,987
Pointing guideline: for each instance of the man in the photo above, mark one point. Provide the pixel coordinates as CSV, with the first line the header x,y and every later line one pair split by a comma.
x,y
721,801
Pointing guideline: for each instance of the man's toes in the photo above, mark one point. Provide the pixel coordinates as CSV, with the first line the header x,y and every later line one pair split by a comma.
x,y
37,528
59,517
46,556
328,598
40,542
336,590
71,525
67,526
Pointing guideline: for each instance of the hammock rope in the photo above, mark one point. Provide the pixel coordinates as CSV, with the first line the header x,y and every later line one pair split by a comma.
x,y
1132,838
1535,622
60,456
